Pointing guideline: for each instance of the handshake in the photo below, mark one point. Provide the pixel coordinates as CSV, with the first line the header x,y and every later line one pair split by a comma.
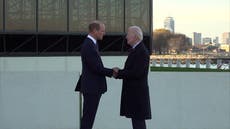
x,y
115,72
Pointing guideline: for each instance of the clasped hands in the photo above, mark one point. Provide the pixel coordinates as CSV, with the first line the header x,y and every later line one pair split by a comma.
x,y
115,72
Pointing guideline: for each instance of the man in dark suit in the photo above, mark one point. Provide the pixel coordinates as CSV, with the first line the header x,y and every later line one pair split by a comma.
x,y
135,100
93,82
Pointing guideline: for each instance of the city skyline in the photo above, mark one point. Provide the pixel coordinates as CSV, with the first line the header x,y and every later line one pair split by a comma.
x,y
210,18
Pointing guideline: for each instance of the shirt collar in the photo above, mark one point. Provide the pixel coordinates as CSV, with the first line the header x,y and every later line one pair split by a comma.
x,y
136,44
93,39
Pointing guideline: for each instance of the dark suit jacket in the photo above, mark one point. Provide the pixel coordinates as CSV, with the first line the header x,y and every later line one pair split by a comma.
x,y
93,79
135,102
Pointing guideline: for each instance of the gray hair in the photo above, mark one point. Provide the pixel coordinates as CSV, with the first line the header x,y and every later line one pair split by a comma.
x,y
138,32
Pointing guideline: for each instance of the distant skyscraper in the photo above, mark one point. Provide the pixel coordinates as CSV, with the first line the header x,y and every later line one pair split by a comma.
x,y
207,40
226,38
196,38
216,40
169,24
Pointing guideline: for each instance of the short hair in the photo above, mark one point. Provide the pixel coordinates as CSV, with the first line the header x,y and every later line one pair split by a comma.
x,y
138,32
94,25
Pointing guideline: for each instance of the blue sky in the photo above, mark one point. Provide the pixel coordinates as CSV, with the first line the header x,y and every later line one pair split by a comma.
x,y
209,17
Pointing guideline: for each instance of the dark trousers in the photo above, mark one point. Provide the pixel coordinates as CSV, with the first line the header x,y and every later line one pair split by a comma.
x,y
90,106
138,124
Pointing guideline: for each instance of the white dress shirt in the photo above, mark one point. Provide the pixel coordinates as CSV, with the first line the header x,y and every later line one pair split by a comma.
x,y
94,40
136,44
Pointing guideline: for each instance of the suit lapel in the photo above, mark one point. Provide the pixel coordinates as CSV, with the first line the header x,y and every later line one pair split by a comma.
x,y
95,46
132,55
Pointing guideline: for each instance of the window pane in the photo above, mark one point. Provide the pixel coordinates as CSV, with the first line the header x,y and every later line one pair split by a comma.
x,y
20,15
81,13
111,12
52,15
1,15
137,13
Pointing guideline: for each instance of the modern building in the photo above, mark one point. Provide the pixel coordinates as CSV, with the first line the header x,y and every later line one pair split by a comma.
x,y
58,27
225,47
207,40
216,40
226,38
196,38
169,24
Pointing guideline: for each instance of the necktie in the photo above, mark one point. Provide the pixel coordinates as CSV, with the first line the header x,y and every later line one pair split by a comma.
x,y
96,46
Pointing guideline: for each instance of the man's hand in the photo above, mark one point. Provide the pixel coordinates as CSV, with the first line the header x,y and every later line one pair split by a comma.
x,y
115,72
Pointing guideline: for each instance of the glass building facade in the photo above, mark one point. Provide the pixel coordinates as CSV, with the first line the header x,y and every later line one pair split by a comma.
x,y
111,12
81,12
1,15
137,12
73,15
20,15
57,25
52,15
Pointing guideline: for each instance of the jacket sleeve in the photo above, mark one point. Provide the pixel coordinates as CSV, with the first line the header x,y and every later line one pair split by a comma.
x,y
137,68
93,61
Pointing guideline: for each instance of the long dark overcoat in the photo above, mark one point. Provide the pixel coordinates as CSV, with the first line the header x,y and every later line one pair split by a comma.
x,y
135,100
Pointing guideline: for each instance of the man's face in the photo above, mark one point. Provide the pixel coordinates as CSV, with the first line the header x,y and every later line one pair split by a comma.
x,y
101,32
131,37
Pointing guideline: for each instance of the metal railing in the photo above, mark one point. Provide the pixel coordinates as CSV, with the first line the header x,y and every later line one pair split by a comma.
x,y
195,63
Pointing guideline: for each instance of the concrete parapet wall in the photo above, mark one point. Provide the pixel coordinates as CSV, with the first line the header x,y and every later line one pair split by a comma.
x,y
39,94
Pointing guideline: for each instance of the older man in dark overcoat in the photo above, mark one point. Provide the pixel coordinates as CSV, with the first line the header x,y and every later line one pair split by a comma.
x,y
135,100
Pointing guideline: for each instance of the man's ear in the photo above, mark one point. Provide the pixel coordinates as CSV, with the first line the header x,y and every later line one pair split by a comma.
x,y
94,31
